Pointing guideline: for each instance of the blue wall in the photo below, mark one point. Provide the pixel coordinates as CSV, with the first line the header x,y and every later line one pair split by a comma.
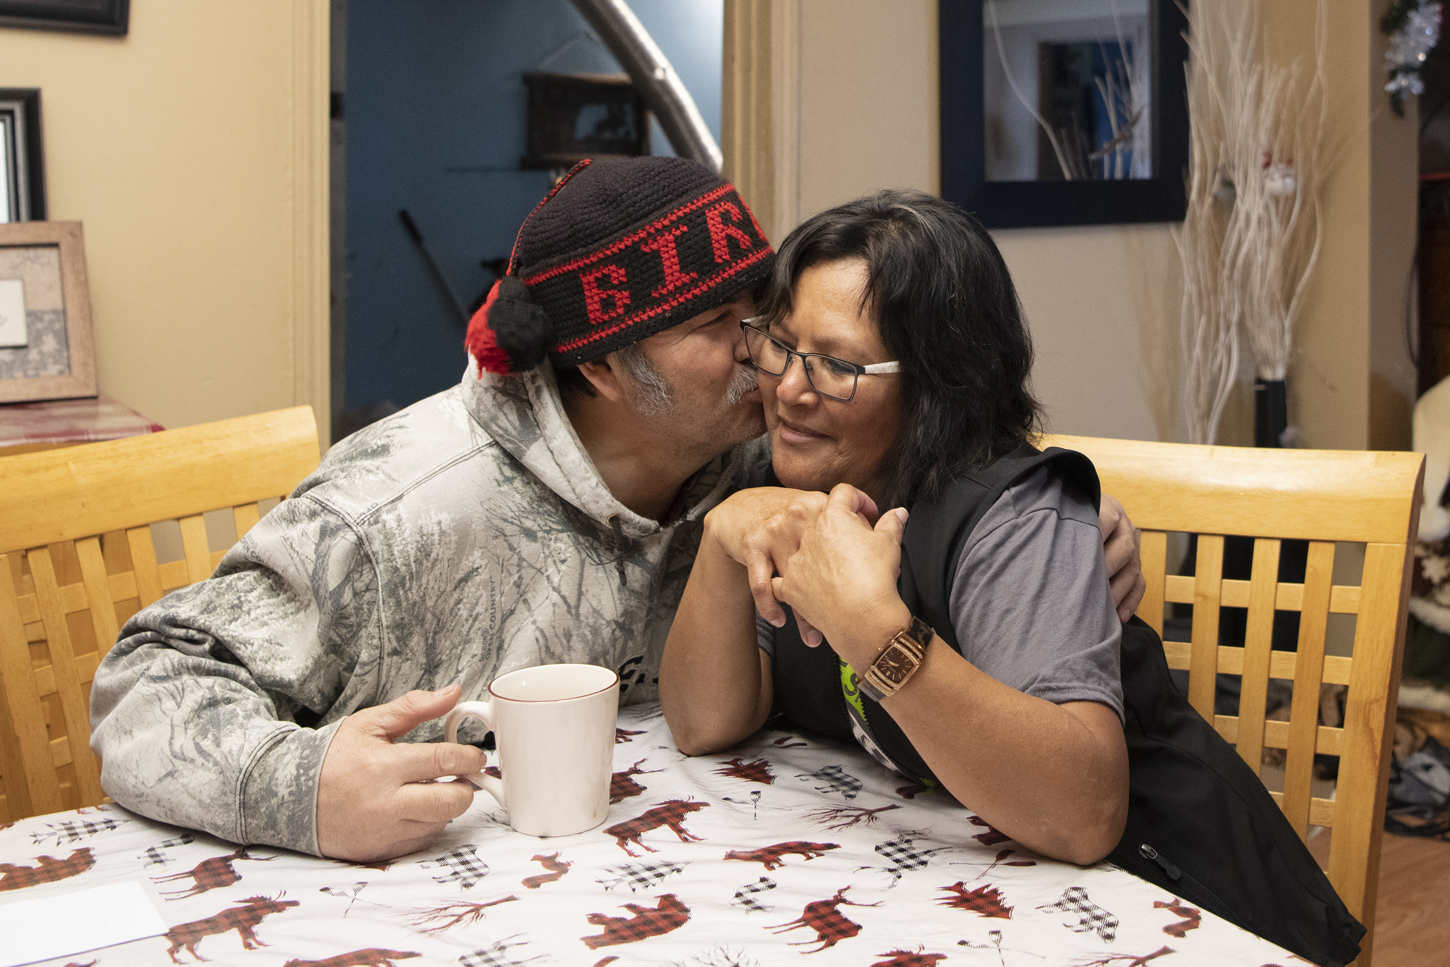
x,y
435,124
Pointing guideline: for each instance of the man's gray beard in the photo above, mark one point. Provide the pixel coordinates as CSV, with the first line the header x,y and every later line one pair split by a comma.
x,y
743,383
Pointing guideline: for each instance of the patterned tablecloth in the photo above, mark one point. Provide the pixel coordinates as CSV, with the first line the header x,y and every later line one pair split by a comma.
x,y
784,850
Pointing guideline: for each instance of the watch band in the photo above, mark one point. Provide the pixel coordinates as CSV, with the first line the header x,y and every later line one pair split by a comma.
x,y
898,661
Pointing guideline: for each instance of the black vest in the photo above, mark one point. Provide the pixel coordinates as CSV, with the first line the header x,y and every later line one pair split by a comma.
x,y
1200,823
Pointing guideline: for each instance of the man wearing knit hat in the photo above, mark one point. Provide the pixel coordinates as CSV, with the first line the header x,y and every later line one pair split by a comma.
x,y
546,509
500,524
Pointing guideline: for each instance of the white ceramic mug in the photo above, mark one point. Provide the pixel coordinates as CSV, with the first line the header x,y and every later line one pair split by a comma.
x,y
553,726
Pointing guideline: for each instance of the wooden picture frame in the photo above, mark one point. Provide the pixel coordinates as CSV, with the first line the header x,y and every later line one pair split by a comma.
x,y
56,360
82,16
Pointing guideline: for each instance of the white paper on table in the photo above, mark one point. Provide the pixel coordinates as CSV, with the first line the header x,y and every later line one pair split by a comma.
x,y
72,923
12,314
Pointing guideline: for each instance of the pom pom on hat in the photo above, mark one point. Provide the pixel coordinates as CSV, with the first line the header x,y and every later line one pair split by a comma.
x,y
509,333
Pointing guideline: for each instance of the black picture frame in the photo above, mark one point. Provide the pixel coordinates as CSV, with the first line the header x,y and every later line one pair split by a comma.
x,y
83,16
555,105
1034,204
24,183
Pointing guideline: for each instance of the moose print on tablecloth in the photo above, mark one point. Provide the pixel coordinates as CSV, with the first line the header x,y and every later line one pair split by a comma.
x,y
666,915
671,813
745,896
1192,917
368,957
913,789
906,958
464,867
556,867
756,770
243,919
986,900
209,874
47,869
833,779
1091,917
622,785
625,735
829,923
71,831
639,876
439,919
157,855
774,856
494,955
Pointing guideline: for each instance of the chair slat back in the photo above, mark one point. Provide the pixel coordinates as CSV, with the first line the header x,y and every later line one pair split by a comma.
x,y
77,559
1329,499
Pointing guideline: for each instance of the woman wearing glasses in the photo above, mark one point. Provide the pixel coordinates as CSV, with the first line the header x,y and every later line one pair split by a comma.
x,y
894,365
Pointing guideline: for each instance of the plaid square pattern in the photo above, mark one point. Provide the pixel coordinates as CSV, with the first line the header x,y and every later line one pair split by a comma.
x,y
71,831
834,779
463,866
494,954
639,876
156,855
1091,916
903,856
745,896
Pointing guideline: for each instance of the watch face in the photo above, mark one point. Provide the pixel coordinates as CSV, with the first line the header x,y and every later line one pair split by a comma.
x,y
895,664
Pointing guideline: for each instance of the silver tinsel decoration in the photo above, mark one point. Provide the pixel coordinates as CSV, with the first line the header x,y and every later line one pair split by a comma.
x,y
1410,45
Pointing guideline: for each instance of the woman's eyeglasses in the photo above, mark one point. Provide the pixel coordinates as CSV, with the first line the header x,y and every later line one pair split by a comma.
x,y
829,376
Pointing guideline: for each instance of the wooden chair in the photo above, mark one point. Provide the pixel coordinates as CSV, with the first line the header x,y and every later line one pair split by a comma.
x,y
1324,497
77,560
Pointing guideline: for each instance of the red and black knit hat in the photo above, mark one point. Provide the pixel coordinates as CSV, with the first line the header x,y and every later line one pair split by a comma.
x,y
619,250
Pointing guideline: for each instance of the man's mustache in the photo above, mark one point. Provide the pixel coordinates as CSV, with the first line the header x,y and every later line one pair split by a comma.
x,y
743,383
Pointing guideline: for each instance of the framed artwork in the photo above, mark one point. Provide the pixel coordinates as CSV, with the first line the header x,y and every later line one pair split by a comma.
x,y
1064,112
22,166
84,16
577,116
47,348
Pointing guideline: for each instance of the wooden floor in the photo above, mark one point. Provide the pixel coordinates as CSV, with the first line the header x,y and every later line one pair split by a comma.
x,y
1412,917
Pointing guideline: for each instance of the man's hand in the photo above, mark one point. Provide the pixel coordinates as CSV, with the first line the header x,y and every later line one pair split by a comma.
x,y
761,528
1120,553
376,799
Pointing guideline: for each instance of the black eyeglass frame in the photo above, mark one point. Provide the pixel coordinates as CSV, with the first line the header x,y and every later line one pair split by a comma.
x,y
871,369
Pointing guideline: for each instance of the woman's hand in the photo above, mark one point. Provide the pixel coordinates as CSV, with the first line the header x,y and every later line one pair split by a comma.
x,y
761,529
1120,554
843,577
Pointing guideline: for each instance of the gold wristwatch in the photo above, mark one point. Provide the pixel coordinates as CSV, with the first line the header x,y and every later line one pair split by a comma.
x,y
898,661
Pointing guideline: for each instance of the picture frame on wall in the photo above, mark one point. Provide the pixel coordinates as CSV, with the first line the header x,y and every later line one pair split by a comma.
x,y
47,346
22,159
83,16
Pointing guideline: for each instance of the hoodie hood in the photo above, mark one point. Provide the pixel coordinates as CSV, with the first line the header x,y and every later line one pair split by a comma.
x,y
524,414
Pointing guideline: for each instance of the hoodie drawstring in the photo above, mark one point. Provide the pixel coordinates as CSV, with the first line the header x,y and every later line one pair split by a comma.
x,y
618,549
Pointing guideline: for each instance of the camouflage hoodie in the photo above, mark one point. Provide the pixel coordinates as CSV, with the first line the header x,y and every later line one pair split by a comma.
x,y
466,536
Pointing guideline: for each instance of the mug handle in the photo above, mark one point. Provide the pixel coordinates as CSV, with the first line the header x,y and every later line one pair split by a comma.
x,y
483,711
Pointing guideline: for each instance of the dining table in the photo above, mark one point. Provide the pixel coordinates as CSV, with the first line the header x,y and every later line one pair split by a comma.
x,y
788,848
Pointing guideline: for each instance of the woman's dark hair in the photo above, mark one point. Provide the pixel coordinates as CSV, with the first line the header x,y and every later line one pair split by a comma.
x,y
946,307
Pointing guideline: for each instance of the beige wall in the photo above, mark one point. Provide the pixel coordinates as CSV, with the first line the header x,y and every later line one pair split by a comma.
x,y
1103,301
187,149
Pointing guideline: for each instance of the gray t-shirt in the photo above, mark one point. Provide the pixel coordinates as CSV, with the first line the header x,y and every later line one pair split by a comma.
x,y
1030,602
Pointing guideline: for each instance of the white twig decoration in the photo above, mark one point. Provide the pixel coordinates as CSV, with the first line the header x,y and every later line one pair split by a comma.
x,y
1259,156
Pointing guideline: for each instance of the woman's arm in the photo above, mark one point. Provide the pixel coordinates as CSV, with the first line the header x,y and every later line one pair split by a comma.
x,y
1053,777
715,686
